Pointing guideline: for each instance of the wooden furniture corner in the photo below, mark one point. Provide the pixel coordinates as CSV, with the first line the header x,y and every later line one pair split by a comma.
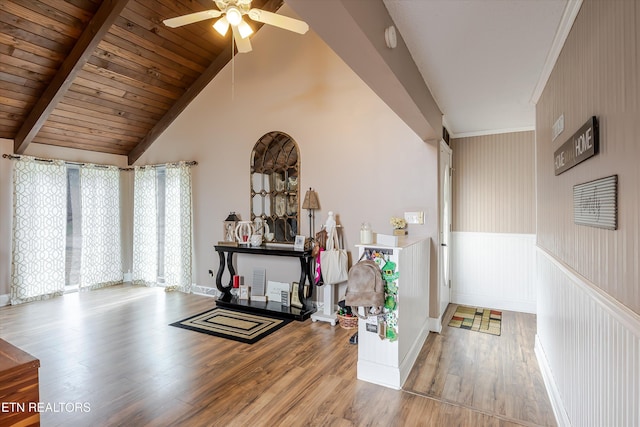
x,y
19,387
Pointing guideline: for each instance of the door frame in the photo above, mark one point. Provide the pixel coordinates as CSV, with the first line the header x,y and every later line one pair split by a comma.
x,y
445,158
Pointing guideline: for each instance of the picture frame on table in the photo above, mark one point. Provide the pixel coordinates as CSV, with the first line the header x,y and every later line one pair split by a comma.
x,y
295,298
275,290
245,292
298,244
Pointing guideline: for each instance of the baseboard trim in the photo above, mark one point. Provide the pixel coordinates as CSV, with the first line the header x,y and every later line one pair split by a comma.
x,y
435,324
4,300
552,390
379,374
205,291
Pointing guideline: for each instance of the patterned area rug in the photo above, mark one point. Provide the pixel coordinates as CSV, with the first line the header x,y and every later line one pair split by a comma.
x,y
477,319
234,325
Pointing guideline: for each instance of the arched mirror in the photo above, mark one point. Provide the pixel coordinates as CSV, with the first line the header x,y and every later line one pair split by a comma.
x,y
275,172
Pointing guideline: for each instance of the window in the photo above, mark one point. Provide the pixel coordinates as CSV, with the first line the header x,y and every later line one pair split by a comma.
x,y
161,181
74,228
93,192
162,226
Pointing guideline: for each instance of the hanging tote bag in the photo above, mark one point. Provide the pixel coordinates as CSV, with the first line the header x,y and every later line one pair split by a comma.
x,y
333,260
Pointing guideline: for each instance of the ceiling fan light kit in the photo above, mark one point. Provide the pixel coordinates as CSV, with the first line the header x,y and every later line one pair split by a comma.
x,y
232,12
221,26
233,15
244,29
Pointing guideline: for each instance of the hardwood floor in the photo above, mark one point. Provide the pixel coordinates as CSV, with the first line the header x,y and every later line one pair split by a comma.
x,y
497,375
111,353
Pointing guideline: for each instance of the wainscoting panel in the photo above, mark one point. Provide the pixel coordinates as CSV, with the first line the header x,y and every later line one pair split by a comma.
x,y
588,346
494,270
385,362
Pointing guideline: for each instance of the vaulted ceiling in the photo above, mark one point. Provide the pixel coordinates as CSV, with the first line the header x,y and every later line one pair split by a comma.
x,y
108,76
103,76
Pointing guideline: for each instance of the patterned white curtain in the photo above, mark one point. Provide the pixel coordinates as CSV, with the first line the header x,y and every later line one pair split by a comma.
x,y
177,253
101,259
39,230
145,227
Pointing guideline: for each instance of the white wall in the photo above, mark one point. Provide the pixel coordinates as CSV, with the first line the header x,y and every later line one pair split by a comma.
x,y
495,270
363,161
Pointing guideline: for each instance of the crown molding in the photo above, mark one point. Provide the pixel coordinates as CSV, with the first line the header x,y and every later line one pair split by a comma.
x,y
491,132
566,22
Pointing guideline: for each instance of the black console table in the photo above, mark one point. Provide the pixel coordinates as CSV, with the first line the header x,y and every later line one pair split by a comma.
x,y
273,308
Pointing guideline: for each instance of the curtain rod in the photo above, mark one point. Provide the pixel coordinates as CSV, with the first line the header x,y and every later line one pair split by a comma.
x,y
16,157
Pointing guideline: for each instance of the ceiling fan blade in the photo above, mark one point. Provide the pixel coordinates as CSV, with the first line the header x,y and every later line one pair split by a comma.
x,y
191,18
280,21
244,45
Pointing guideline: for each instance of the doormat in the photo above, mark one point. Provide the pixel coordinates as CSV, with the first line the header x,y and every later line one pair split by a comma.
x,y
234,325
477,319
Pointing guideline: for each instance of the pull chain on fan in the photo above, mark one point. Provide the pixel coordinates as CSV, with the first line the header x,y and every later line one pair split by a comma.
x,y
233,70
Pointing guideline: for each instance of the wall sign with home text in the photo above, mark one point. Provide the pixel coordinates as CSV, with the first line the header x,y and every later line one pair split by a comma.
x,y
581,146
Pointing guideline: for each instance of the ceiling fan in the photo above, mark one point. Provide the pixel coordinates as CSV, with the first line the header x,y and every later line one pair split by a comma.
x,y
232,12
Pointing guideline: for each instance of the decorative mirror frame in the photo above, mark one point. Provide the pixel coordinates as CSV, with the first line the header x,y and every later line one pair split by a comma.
x,y
274,186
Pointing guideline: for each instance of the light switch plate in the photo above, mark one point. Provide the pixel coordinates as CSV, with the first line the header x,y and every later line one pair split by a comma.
x,y
414,217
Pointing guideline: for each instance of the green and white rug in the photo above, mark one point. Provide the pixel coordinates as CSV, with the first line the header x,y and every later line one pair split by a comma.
x,y
477,319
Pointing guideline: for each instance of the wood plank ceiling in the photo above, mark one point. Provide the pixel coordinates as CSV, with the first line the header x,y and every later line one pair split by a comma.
x,y
103,76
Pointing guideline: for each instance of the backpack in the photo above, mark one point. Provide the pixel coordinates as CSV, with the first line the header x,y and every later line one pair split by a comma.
x,y
365,288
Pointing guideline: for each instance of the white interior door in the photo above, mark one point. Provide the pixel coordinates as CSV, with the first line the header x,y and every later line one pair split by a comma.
x,y
444,263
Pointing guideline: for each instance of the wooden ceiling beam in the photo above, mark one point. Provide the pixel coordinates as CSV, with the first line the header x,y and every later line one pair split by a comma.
x,y
94,32
189,95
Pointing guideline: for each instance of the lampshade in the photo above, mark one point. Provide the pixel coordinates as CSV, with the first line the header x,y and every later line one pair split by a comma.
x,y
222,25
244,29
230,227
311,200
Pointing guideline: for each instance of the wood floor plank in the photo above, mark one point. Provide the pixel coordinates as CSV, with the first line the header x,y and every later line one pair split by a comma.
x,y
113,349
496,375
